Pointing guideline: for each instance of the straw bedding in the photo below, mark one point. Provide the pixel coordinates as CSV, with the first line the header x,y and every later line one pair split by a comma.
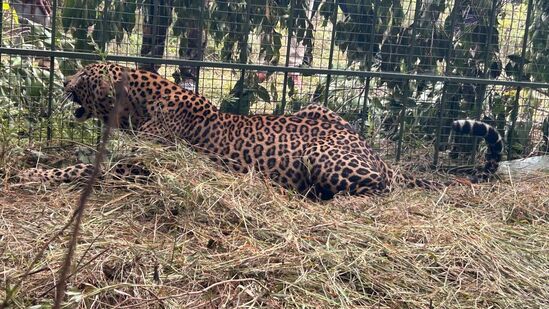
x,y
196,237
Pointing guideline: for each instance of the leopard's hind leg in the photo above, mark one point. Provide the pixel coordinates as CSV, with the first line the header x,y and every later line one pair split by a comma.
x,y
332,170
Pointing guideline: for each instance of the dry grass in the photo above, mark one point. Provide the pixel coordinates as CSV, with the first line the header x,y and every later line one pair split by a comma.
x,y
198,237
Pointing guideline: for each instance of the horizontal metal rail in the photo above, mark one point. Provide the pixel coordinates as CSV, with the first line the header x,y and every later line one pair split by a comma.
x,y
270,68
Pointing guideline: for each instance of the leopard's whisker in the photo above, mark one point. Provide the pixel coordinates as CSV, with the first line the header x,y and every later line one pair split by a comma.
x,y
64,100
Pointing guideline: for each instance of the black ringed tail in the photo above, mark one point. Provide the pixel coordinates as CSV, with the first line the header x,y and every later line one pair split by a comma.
x,y
491,136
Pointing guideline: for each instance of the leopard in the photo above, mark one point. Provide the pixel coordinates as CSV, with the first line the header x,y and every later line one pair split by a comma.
x,y
313,151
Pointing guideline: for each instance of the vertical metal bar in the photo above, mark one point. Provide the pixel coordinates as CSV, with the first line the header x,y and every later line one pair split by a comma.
x,y
103,47
514,112
364,111
156,17
457,8
287,60
480,98
200,38
244,46
1,40
401,123
52,68
331,55
1,22
402,115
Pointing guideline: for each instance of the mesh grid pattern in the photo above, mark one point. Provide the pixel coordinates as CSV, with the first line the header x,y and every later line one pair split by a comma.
x,y
400,71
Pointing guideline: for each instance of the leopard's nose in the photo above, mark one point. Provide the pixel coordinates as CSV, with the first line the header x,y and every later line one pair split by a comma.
x,y
65,82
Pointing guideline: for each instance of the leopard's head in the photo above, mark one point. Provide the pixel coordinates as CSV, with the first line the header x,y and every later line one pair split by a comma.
x,y
91,88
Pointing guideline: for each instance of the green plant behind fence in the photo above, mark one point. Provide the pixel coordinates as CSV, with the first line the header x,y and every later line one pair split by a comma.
x,y
398,70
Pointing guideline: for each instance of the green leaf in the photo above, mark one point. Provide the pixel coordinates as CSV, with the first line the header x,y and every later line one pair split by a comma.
x,y
263,94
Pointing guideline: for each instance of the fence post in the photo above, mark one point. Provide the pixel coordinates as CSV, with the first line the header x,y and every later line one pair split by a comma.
x,y
331,55
449,49
52,68
200,38
244,52
364,111
1,22
514,112
282,108
481,94
407,90
103,47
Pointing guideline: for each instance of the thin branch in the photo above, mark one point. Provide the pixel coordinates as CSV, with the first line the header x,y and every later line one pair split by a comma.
x,y
121,95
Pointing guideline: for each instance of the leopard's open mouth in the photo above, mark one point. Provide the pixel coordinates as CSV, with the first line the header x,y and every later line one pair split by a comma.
x,y
81,114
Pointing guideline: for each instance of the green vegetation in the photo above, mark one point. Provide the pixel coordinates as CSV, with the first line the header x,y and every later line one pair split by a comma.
x,y
476,39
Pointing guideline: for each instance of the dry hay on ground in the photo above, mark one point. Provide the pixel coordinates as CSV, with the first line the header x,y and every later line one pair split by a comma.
x,y
198,237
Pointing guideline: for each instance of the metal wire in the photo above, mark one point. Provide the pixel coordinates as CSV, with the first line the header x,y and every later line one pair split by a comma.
x,y
400,70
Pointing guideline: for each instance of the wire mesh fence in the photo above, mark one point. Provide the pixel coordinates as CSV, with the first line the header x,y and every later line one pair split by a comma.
x,y
400,71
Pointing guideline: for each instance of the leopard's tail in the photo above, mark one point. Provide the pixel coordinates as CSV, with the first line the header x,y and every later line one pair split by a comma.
x,y
492,138
493,156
